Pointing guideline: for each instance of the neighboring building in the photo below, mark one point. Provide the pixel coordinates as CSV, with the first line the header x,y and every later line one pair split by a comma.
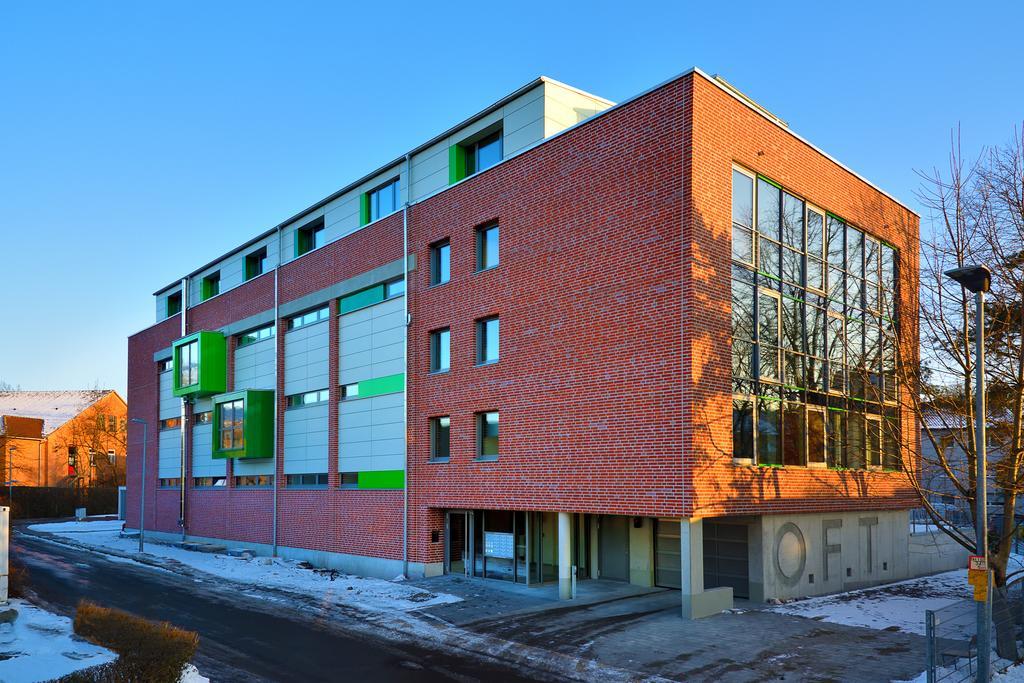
x,y
63,438
553,378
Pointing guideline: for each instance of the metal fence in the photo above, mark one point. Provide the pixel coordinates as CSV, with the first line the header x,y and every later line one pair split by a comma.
x,y
951,635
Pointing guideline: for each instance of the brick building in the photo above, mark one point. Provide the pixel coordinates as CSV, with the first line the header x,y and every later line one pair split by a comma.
x,y
653,342
63,438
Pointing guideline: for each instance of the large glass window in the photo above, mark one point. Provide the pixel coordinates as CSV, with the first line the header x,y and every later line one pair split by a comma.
x,y
440,438
188,364
813,334
231,425
440,263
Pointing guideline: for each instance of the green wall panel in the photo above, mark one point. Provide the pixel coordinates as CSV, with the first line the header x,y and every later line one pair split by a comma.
x,y
382,385
362,299
456,164
384,479
364,208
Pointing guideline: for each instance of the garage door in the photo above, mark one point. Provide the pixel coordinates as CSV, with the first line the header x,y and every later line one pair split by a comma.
x,y
725,557
667,567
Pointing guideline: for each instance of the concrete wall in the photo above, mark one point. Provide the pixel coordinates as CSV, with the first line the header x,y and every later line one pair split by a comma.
x,y
933,551
814,554
641,553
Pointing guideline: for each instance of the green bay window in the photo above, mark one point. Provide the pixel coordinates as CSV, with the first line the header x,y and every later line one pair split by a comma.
x,y
199,364
244,421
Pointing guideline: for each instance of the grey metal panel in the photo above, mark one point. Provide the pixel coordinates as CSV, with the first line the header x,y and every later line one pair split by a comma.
x,y
372,342
242,467
371,434
170,405
169,458
306,358
203,463
256,366
306,439
202,405
383,273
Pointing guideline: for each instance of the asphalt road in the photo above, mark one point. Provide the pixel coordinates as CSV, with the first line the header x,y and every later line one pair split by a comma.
x,y
240,638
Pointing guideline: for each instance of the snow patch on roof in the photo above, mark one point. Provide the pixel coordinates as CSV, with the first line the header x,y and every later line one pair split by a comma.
x,y
54,407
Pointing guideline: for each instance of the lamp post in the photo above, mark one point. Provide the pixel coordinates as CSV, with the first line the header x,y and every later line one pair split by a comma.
x,y
10,476
142,486
978,279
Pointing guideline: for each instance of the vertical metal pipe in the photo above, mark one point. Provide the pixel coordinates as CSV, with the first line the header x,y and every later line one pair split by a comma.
x,y
405,361
981,495
181,423
278,381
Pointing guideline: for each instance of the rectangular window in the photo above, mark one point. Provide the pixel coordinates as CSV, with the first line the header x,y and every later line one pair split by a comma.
x,y
310,480
794,445
350,391
394,288
231,425
205,417
483,153
172,483
440,263
440,350
742,217
164,365
255,480
487,247
309,237
170,423
173,304
815,435
487,338
208,482
72,456
309,318
768,335
440,438
256,263
743,428
349,480
873,439
308,398
112,457
382,201
254,336
769,430
487,435
188,364
111,423
211,285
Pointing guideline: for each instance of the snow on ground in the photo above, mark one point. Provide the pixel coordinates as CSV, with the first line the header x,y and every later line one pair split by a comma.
x,y
353,591
40,646
192,675
894,606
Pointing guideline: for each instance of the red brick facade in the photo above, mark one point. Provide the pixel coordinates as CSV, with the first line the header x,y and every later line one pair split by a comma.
x,y
613,292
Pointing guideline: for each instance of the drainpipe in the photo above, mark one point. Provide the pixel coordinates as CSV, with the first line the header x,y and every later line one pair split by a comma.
x,y
405,360
277,379
184,331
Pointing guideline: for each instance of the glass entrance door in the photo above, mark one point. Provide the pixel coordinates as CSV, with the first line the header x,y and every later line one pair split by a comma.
x,y
457,545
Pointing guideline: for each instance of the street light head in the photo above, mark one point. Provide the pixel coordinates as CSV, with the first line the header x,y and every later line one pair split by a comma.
x,y
137,420
973,278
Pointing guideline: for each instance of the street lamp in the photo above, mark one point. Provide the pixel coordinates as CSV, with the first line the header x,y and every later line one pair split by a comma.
x,y
978,279
142,487
10,476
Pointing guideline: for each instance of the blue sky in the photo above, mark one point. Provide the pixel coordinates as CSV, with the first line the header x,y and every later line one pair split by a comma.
x,y
140,140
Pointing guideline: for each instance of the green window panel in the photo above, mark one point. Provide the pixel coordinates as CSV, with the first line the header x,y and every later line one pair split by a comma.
x,y
384,479
243,425
364,208
200,364
362,299
381,385
456,164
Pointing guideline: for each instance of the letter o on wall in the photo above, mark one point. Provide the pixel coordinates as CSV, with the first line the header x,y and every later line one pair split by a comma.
x,y
790,554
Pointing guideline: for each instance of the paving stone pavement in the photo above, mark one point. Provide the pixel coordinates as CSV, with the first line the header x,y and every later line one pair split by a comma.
x,y
644,632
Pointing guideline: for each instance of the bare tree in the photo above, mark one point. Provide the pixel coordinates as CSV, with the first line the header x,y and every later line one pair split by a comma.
x,y
976,217
100,443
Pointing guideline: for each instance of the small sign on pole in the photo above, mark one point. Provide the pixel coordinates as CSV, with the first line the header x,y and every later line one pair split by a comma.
x,y
978,576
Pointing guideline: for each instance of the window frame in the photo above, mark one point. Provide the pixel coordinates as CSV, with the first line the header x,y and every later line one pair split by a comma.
x,y
320,313
175,297
436,336
236,429
472,151
481,425
481,246
210,286
255,263
483,337
434,426
375,194
435,262
306,236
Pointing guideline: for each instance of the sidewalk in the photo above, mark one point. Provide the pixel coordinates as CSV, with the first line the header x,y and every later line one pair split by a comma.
x,y
642,630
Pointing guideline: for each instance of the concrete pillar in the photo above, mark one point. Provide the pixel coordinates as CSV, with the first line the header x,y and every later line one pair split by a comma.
x,y
564,556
